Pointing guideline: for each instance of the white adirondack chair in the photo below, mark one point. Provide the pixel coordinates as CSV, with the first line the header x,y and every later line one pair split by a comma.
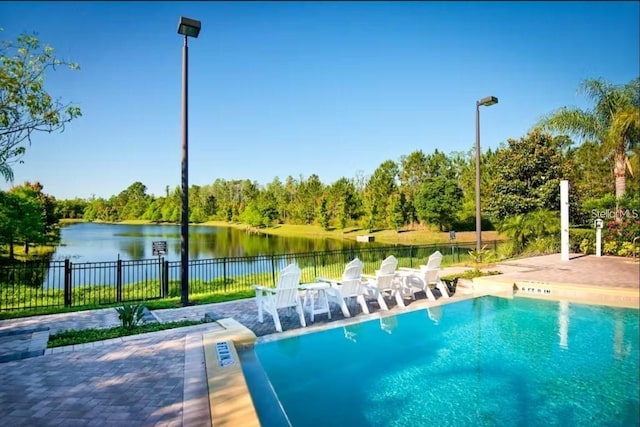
x,y
385,283
348,287
422,279
284,295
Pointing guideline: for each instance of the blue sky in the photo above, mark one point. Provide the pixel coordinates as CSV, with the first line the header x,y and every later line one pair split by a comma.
x,y
286,88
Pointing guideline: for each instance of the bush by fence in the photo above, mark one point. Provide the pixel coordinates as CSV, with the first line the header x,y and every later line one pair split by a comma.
x,y
28,286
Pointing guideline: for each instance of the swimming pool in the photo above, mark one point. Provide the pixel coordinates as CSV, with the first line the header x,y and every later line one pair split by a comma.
x,y
485,361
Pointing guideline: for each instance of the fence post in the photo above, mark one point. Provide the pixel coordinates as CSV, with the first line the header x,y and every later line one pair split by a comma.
x,y
411,256
165,277
315,266
119,280
224,273
273,270
161,289
67,283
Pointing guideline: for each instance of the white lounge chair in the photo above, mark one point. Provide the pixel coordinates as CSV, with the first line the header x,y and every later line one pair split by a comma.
x,y
284,295
348,287
385,283
422,279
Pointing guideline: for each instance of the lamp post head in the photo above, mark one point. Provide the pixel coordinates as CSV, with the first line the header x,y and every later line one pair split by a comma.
x,y
487,101
189,27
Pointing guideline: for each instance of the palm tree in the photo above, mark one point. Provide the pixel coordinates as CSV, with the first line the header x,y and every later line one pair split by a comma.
x,y
542,223
517,229
614,122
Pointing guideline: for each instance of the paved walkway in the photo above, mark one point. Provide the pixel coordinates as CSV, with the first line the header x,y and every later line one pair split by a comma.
x,y
139,381
145,380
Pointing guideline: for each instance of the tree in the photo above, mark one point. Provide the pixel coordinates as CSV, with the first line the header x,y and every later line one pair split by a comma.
x,y
46,202
71,208
20,220
154,211
323,214
438,201
396,211
527,175
133,202
614,122
252,215
307,199
267,204
378,190
413,173
25,106
274,200
591,172
342,201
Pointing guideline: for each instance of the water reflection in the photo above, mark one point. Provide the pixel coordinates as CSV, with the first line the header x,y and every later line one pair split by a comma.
x,y
352,331
435,314
90,242
621,347
133,249
388,324
563,324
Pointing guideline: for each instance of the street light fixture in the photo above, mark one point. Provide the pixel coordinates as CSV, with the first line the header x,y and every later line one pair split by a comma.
x,y
487,101
188,28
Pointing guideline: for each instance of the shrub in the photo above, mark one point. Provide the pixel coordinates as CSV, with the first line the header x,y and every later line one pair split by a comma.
x,y
130,315
506,250
479,256
587,247
626,249
610,248
578,235
523,229
543,245
621,231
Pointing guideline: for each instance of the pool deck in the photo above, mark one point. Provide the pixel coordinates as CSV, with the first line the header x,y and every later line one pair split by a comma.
x,y
168,378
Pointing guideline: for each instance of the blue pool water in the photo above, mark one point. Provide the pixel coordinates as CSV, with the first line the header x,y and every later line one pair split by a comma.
x,y
486,361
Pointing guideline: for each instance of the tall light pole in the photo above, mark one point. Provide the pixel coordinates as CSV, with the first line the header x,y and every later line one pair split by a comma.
x,y
487,101
188,28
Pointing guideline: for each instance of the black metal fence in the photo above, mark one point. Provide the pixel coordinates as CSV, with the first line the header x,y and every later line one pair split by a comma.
x,y
32,285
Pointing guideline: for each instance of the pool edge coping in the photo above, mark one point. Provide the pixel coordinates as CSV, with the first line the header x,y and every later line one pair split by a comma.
x,y
230,401
620,297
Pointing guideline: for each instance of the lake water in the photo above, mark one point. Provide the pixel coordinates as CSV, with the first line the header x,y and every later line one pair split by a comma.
x,y
93,242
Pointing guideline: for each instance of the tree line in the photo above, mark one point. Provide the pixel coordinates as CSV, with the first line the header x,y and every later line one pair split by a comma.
x,y
434,189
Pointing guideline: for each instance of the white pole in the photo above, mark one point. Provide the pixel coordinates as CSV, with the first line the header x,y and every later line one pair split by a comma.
x,y
598,241
564,220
